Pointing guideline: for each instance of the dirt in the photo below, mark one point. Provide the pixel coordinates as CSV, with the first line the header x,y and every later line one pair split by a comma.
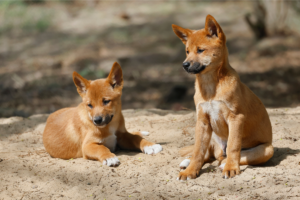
x,y
28,172
42,44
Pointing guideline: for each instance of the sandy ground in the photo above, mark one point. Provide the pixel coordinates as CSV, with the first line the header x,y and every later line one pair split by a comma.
x,y
28,172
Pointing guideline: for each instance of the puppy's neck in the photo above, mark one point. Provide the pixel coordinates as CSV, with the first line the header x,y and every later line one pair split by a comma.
x,y
208,82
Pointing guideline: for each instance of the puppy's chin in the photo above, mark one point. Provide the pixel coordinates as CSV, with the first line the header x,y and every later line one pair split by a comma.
x,y
197,70
102,126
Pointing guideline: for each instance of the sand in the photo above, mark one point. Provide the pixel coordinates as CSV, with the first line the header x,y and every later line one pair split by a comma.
x,y
28,172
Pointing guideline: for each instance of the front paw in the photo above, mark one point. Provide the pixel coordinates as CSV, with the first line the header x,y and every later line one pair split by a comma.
x,y
187,175
154,149
111,161
230,171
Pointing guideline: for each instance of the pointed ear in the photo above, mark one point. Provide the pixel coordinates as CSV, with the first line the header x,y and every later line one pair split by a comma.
x,y
115,77
81,83
213,28
182,33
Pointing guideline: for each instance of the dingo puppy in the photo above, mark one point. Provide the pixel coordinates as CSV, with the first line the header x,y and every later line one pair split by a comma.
x,y
233,125
94,128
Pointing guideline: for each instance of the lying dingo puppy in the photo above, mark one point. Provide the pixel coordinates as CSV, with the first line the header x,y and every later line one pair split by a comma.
x,y
229,114
94,128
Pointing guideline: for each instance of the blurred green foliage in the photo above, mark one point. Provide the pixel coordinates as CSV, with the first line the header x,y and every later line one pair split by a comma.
x,y
18,16
91,73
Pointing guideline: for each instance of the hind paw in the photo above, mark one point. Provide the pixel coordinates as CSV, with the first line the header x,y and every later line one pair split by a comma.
x,y
144,133
154,149
184,164
222,166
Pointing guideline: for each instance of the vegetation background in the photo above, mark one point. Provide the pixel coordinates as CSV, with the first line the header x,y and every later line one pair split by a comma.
x,y
43,42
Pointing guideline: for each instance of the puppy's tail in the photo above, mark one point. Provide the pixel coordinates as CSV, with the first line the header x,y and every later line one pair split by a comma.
x,y
186,151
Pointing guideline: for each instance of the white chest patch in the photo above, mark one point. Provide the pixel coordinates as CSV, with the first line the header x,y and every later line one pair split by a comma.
x,y
111,141
212,108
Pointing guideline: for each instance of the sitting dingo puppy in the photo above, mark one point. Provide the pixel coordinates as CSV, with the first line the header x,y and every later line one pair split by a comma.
x,y
233,125
94,128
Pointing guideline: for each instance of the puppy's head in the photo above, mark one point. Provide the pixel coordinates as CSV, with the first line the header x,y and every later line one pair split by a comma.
x,y
101,97
205,48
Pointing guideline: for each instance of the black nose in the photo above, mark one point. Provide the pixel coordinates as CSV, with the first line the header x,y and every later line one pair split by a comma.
x,y
186,65
98,120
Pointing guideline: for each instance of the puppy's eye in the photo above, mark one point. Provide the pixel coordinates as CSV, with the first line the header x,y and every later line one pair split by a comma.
x,y
187,52
200,50
105,102
90,105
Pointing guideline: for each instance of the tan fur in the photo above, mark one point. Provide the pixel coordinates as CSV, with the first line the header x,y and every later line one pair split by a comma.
x,y
71,133
225,107
186,151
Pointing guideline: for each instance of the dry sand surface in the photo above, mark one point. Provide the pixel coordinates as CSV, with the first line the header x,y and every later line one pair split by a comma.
x,y
28,172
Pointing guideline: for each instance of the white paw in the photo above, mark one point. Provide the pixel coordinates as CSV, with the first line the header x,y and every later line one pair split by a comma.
x,y
154,149
185,163
111,162
222,166
181,180
145,133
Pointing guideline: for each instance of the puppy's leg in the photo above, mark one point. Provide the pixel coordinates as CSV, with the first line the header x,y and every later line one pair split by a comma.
x,y
187,151
218,147
185,163
255,156
134,141
202,140
214,151
95,151
232,166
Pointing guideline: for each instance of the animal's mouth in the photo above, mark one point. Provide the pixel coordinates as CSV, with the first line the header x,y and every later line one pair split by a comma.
x,y
195,69
105,121
198,70
100,126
